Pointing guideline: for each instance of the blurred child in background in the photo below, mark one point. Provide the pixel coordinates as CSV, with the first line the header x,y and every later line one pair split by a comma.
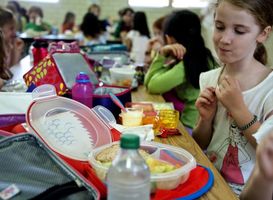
x,y
92,32
137,39
178,64
156,42
125,24
36,23
13,45
69,23
5,74
19,14
96,10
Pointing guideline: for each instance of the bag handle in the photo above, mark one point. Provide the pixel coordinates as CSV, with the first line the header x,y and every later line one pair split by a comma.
x,y
63,47
59,191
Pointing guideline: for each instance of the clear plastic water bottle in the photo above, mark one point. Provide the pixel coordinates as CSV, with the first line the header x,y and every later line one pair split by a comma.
x,y
129,177
82,90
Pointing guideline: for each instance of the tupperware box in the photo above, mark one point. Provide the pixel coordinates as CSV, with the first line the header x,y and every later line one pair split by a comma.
x,y
122,76
67,126
178,157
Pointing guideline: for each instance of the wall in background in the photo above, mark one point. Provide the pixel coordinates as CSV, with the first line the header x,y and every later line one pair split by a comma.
x,y
54,13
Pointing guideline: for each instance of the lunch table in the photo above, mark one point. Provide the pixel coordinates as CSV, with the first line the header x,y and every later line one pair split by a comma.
x,y
220,189
28,40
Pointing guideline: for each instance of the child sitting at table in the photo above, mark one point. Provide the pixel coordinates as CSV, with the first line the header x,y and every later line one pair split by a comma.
x,y
178,64
238,97
13,45
68,25
91,31
137,39
36,23
156,42
5,74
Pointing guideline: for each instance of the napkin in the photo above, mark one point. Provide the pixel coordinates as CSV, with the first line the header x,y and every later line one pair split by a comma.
x,y
145,132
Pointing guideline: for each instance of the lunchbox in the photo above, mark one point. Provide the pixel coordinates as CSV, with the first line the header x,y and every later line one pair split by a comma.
x,y
69,128
30,170
178,157
60,67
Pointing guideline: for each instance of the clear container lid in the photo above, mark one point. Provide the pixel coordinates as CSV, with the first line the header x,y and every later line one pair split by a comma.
x,y
68,127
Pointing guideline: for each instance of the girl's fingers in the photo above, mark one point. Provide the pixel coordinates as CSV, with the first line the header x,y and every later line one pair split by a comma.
x,y
208,95
211,89
205,101
182,51
177,50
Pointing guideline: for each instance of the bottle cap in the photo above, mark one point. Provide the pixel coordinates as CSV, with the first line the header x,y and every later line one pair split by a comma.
x,y
82,77
40,43
129,141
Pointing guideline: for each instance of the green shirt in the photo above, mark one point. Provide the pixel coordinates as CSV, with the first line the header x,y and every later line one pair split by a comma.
x,y
161,79
43,27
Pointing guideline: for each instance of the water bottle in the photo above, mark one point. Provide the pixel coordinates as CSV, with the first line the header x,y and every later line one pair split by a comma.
x,y
82,90
39,51
129,177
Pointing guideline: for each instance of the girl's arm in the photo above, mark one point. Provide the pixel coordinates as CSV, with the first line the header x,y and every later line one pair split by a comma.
x,y
202,133
206,105
14,52
128,43
244,118
229,94
260,183
160,79
257,187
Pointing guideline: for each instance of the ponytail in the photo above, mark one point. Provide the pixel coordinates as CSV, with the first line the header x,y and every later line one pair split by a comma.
x,y
260,54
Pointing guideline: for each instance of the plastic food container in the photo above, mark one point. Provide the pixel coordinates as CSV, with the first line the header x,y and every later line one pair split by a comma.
x,y
132,116
178,157
122,76
67,126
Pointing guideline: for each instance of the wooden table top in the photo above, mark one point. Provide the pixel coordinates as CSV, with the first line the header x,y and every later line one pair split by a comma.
x,y
220,189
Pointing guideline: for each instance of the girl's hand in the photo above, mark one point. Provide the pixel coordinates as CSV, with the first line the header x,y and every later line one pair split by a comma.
x,y
1,83
19,44
175,50
265,157
229,93
206,104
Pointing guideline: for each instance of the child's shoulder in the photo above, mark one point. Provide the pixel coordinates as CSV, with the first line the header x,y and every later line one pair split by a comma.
x,y
211,74
210,77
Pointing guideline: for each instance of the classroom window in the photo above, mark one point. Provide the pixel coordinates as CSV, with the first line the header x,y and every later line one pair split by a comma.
x,y
42,1
149,3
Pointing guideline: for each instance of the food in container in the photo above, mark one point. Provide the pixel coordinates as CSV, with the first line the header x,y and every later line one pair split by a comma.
x,y
149,114
169,165
122,76
147,107
132,117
